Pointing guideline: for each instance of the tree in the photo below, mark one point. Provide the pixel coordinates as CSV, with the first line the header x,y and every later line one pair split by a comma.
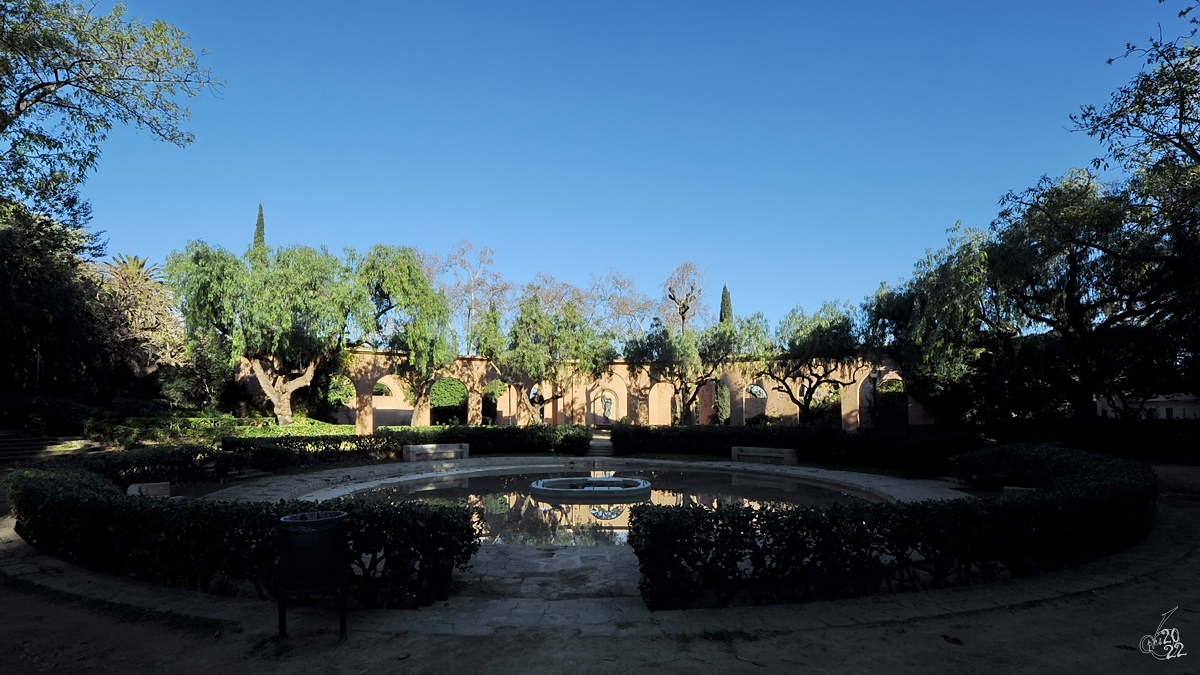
x,y
53,327
406,314
284,315
544,348
620,309
951,330
809,353
260,231
1066,256
67,77
673,350
726,306
1151,129
471,286
683,296
145,330
686,361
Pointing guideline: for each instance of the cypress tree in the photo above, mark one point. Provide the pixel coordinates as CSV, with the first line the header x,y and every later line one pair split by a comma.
x,y
721,403
726,306
260,232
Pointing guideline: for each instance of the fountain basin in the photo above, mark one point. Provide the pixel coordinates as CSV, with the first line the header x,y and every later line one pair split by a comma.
x,y
591,490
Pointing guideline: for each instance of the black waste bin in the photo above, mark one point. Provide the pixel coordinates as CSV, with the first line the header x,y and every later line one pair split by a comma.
x,y
313,558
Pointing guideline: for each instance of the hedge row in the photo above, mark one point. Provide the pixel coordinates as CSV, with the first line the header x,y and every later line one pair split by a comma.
x,y
129,432
1087,506
272,454
399,555
917,452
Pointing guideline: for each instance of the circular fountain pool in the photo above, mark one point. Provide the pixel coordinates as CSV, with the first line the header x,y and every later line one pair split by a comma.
x,y
528,508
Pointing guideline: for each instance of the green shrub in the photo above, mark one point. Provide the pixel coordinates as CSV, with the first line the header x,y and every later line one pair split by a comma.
x,y
399,555
924,452
130,432
1087,506
272,454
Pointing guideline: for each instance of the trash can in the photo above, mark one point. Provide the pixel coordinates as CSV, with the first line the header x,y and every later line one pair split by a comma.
x,y
313,558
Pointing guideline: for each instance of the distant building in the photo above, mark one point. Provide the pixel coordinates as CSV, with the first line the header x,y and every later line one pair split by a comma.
x,y
1172,407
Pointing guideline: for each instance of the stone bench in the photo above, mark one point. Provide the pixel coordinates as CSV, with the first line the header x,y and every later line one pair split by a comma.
x,y
417,453
149,489
764,455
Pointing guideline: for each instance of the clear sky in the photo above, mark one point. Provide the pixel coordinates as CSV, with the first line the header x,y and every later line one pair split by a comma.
x,y
798,151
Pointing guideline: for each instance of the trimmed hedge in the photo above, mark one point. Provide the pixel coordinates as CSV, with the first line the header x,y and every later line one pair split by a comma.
x,y
129,432
399,555
1087,506
924,452
273,454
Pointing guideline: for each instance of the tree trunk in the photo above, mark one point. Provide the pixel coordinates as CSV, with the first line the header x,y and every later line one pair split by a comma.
x,y
278,388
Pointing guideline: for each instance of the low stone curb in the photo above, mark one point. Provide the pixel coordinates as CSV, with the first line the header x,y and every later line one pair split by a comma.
x,y
337,482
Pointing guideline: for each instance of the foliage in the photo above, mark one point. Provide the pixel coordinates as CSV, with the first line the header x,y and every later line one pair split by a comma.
x,y
555,346
619,309
922,453
1074,272
399,555
405,315
726,314
808,355
130,432
260,231
53,328
685,360
275,451
448,392
721,403
145,330
470,287
1088,506
283,312
67,77
1066,256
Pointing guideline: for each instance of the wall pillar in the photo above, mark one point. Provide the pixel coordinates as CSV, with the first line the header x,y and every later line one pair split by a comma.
x,y
364,370
364,407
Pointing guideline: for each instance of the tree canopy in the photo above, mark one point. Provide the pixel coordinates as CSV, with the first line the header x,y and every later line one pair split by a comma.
x,y
67,77
808,353
284,313
544,346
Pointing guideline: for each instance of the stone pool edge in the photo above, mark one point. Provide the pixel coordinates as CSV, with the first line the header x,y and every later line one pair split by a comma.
x,y
337,482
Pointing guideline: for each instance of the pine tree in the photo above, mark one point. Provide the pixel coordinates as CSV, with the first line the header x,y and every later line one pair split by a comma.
x,y
726,306
260,231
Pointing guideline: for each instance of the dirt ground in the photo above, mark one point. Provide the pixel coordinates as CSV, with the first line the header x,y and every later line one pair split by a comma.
x,y
1097,632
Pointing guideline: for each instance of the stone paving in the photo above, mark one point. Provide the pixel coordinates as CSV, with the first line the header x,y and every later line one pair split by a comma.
x,y
590,591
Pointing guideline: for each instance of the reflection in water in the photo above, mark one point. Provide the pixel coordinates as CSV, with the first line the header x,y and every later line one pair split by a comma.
x,y
508,514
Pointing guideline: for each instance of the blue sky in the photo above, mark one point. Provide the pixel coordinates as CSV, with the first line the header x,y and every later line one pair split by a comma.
x,y
797,151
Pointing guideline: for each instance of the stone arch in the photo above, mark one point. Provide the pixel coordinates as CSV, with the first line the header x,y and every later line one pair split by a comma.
x,y
449,401
392,408
606,406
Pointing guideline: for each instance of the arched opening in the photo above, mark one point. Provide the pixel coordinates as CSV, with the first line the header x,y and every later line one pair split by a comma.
x,y
380,389
448,402
891,404
606,407
490,407
754,404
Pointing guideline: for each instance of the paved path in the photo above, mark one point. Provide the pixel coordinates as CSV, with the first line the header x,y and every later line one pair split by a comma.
x,y
592,591
587,591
